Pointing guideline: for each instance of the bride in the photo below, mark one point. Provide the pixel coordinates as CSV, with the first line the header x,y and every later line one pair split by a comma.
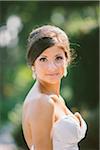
x,y
47,122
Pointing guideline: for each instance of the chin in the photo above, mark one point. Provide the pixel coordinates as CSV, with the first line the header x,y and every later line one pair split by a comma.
x,y
53,81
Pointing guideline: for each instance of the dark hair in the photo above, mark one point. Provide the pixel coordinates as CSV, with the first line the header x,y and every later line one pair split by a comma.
x,y
44,37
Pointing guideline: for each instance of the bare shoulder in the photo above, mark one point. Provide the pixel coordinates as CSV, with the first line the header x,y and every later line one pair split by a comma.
x,y
39,104
45,100
39,115
41,121
42,104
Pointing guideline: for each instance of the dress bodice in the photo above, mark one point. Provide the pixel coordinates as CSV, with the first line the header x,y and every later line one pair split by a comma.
x,y
67,132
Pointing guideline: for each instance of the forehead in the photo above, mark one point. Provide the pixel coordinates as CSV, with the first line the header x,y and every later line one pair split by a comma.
x,y
53,50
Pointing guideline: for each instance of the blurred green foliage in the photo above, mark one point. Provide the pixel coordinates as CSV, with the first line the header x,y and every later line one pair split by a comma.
x,y
79,19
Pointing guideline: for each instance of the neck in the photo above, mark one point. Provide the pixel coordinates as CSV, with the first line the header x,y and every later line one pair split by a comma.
x,y
48,88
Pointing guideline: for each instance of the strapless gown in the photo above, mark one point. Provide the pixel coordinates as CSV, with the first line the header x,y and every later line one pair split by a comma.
x,y
67,133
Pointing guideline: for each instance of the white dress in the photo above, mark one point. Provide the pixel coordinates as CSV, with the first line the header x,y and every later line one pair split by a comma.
x,y
66,133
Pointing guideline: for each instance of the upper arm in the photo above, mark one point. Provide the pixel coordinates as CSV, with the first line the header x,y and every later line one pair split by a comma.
x,y
41,122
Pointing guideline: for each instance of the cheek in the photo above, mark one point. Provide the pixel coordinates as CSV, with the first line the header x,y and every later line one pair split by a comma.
x,y
61,65
61,68
40,70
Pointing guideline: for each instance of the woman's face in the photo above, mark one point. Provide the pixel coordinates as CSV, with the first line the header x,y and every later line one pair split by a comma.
x,y
50,65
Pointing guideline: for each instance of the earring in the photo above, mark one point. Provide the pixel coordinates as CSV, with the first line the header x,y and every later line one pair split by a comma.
x,y
65,72
33,76
33,73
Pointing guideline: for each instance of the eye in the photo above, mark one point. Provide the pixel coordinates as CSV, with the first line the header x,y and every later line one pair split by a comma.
x,y
59,58
43,59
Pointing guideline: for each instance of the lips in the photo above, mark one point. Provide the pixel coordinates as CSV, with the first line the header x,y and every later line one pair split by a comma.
x,y
53,74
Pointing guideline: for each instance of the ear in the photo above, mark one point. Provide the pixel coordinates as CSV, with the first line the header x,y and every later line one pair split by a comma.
x,y
66,60
32,67
66,63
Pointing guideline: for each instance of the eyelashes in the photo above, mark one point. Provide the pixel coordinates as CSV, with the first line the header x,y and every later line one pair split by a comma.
x,y
58,58
43,59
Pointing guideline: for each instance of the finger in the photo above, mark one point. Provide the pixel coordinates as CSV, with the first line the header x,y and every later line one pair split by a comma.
x,y
54,97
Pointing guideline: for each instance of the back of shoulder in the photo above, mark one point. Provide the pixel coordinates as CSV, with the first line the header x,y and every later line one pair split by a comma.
x,y
43,102
40,104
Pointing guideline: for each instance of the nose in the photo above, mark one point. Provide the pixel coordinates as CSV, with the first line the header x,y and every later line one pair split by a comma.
x,y
52,66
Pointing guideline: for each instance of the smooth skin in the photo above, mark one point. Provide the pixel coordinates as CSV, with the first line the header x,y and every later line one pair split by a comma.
x,y
43,105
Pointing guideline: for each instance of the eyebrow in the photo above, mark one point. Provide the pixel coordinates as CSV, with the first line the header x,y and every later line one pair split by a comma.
x,y
59,54
43,56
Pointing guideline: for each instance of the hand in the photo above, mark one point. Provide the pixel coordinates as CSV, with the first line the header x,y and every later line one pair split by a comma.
x,y
54,97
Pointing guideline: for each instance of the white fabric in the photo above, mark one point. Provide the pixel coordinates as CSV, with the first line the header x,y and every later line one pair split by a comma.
x,y
67,133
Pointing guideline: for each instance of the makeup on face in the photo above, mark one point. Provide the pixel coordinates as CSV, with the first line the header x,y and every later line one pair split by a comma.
x,y
54,54
49,66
